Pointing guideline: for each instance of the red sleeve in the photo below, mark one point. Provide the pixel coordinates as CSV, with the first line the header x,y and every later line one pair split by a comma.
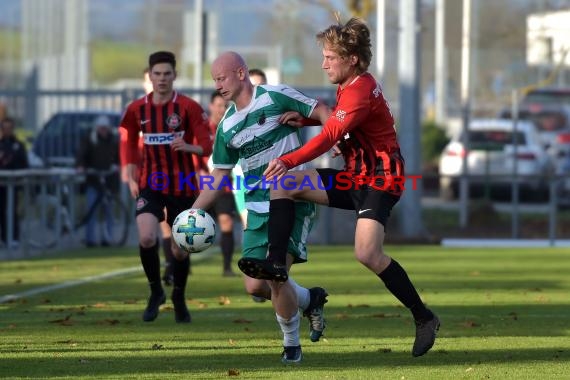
x,y
351,109
123,147
200,128
129,123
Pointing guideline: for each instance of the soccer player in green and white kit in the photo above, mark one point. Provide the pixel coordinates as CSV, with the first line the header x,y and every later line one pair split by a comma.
x,y
254,131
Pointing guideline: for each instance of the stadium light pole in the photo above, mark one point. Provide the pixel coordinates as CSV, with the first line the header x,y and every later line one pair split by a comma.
x,y
411,223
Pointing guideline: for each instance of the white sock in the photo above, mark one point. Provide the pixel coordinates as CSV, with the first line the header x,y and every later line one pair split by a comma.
x,y
290,328
303,295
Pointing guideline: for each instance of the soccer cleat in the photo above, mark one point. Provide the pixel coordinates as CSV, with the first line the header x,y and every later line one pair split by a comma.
x,y
291,355
258,299
154,302
315,313
262,269
181,313
425,336
168,277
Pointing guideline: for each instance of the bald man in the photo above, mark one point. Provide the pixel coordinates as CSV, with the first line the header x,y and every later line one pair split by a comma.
x,y
254,130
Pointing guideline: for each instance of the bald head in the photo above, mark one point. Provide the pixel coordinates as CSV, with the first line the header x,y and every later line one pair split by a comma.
x,y
229,61
231,78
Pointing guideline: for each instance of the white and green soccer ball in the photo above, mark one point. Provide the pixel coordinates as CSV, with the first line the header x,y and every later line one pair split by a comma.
x,y
194,230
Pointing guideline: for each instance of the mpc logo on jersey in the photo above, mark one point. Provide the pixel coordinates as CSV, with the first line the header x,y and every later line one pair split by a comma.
x,y
255,146
161,138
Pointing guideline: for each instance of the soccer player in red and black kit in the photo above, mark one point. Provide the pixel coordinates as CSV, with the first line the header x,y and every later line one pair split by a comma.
x,y
362,128
170,122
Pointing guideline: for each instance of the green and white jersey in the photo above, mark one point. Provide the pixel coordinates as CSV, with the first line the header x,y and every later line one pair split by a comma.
x,y
254,137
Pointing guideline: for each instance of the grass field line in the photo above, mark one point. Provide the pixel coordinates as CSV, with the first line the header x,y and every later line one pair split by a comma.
x,y
196,257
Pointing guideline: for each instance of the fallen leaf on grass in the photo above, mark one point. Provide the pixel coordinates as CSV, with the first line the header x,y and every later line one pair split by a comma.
x,y
386,315
469,324
46,300
200,304
64,322
385,350
99,305
469,369
83,361
361,305
232,342
233,372
157,346
241,320
108,321
513,316
341,316
223,300
18,281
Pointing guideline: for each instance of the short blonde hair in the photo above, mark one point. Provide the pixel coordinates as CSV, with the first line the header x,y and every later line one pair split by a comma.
x,y
352,38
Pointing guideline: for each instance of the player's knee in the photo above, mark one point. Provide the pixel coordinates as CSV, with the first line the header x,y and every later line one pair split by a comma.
x,y
147,241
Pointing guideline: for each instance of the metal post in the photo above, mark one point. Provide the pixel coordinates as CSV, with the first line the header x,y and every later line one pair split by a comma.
x,y
408,64
466,107
10,214
515,183
440,64
380,37
552,211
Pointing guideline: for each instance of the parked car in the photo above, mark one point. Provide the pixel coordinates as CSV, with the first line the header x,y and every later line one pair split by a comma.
x,y
492,157
550,119
546,96
57,142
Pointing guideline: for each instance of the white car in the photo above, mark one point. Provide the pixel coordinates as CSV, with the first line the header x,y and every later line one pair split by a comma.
x,y
492,157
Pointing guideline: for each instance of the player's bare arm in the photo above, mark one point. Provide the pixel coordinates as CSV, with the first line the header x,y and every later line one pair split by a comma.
x,y
132,171
211,190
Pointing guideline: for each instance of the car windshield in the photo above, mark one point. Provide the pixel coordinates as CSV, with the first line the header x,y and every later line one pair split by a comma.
x,y
555,97
494,140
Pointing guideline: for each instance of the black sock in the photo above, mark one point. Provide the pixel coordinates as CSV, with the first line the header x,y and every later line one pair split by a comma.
x,y
280,225
167,249
227,246
398,283
151,264
180,276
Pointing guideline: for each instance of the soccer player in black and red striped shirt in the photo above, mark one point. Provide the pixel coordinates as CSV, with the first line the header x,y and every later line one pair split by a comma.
x,y
170,122
362,129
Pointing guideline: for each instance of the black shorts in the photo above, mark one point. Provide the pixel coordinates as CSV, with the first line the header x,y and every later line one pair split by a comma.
x,y
225,204
367,201
154,202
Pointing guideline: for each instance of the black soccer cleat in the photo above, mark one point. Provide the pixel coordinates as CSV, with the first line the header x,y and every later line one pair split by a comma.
x,y
292,355
262,269
154,302
425,336
181,313
315,313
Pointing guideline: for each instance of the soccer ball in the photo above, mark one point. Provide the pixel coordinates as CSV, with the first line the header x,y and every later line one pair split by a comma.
x,y
194,230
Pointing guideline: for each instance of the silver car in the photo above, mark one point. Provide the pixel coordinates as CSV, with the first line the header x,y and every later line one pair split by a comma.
x,y
492,158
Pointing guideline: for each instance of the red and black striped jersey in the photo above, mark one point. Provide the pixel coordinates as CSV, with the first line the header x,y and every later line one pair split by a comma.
x,y
160,124
362,124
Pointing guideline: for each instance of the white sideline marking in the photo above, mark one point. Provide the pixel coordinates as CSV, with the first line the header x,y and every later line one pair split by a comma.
x,y
505,243
85,280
